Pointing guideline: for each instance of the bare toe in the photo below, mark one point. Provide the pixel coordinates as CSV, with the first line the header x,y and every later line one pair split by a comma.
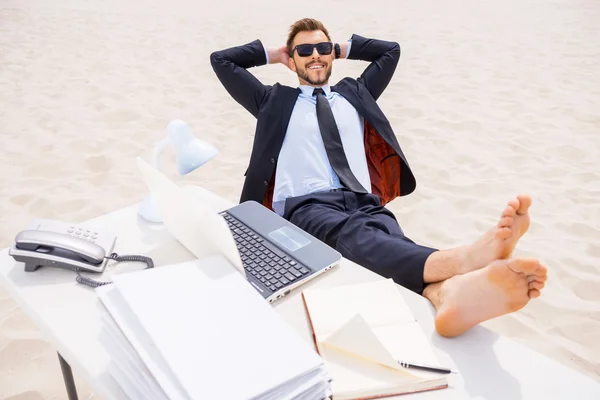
x,y
528,266
542,271
536,285
532,278
505,222
524,204
511,208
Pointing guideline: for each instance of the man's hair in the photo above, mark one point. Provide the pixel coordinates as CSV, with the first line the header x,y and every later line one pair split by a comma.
x,y
304,25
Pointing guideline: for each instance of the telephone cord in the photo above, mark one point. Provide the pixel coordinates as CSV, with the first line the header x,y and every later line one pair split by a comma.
x,y
84,280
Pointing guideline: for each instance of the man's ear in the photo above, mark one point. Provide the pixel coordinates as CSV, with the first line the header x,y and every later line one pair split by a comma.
x,y
292,64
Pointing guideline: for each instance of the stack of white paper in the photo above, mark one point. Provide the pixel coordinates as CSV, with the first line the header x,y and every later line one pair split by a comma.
x,y
197,330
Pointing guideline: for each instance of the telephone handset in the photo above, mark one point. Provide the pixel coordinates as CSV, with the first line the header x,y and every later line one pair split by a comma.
x,y
58,244
78,248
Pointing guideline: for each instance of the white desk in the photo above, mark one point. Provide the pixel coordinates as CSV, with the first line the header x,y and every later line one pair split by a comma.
x,y
490,366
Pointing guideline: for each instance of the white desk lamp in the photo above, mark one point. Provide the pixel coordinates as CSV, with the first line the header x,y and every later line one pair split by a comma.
x,y
190,153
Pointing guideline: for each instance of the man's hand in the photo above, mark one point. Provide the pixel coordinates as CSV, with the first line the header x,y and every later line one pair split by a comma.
x,y
279,55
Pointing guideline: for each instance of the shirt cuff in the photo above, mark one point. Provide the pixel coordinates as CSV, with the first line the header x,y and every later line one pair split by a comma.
x,y
267,55
348,49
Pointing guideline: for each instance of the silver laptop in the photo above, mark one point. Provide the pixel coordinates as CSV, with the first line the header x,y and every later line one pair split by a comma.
x,y
274,255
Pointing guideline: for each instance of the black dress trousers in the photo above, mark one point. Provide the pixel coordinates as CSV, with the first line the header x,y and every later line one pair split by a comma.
x,y
363,231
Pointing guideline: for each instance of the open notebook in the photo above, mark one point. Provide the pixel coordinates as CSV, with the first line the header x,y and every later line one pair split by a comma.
x,y
362,331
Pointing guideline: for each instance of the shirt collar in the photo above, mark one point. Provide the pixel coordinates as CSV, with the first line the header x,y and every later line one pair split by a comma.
x,y
308,90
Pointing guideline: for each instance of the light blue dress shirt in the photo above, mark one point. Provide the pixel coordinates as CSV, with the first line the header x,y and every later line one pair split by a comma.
x,y
302,165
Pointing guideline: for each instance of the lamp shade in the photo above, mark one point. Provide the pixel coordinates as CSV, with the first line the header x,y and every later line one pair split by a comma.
x,y
190,152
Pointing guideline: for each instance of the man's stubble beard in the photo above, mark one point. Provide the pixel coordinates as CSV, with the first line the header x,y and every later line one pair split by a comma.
x,y
303,74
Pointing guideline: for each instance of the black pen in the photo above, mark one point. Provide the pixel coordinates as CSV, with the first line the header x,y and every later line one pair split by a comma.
x,y
427,367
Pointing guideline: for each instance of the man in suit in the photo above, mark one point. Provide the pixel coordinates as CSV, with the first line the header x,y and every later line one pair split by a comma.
x,y
326,159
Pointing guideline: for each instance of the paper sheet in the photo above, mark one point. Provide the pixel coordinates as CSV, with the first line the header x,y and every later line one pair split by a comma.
x,y
356,338
333,307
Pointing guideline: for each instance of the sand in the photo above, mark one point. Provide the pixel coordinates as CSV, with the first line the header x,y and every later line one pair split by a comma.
x,y
489,99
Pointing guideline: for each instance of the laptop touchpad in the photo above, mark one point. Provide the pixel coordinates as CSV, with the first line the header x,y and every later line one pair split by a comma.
x,y
289,238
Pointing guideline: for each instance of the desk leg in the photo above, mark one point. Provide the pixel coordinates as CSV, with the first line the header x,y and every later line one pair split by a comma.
x,y
68,378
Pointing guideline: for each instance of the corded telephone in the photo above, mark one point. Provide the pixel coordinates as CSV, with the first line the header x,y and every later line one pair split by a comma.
x,y
77,248
58,244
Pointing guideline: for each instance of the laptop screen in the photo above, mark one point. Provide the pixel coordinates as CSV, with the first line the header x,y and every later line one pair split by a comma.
x,y
203,232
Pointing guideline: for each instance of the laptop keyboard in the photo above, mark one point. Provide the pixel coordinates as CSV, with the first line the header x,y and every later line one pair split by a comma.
x,y
265,262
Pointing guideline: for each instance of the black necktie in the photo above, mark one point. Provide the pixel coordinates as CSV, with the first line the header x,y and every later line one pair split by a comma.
x,y
333,144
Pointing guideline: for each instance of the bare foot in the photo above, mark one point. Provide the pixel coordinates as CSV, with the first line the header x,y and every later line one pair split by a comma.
x,y
502,287
500,241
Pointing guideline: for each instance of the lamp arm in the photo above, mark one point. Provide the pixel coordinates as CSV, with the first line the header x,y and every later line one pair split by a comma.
x,y
158,149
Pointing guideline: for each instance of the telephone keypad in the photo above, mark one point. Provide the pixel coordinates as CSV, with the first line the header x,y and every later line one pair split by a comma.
x,y
80,233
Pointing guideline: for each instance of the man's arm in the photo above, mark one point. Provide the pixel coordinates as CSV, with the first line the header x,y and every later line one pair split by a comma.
x,y
230,66
384,57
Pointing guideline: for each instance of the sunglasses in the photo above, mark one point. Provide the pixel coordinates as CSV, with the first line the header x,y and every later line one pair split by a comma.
x,y
306,49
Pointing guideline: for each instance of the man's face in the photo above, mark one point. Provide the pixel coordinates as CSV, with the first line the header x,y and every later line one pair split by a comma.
x,y
314,69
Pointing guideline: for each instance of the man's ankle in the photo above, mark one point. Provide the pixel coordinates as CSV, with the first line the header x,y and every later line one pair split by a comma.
x,y
432,293
465,261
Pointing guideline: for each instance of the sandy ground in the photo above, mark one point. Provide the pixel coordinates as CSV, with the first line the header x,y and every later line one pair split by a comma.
x,y
489,99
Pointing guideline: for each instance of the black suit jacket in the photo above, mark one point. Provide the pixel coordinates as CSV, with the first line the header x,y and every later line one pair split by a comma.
x,y
272,106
